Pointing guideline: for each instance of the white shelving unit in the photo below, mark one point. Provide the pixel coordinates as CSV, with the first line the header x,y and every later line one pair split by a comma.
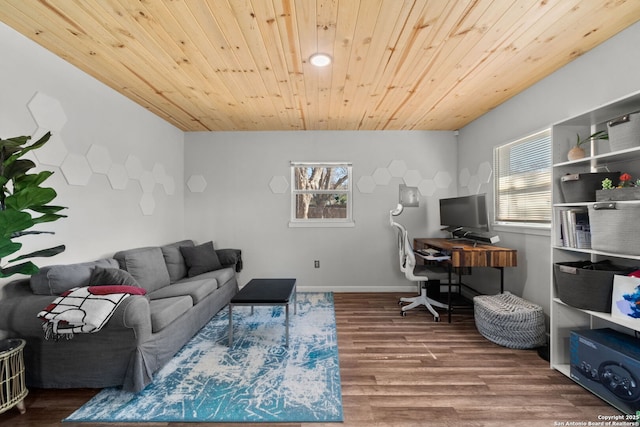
x,y
565,318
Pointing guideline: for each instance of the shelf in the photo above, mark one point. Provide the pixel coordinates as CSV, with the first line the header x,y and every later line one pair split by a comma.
x,y
563,317
587,204
594,252
601,159
630,324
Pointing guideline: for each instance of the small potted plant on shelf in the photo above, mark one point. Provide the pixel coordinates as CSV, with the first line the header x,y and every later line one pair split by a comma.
x,y
627,189
577,152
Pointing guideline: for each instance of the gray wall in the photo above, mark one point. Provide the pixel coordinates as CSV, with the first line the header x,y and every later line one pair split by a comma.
x,y
602,75
238,208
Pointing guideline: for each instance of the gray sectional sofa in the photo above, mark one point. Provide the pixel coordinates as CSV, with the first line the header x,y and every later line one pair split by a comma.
x,y
186,285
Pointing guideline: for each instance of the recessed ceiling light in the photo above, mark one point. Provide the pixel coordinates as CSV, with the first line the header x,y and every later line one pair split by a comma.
x,y
320,59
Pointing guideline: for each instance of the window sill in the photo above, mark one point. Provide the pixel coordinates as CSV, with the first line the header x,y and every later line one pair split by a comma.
x,y
318,224
532,229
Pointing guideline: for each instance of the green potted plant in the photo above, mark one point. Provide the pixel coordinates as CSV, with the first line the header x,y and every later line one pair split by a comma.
x,y
627,189
577,152
24,203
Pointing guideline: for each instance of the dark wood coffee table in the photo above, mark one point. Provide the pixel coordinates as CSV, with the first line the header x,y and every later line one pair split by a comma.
x,y
265,292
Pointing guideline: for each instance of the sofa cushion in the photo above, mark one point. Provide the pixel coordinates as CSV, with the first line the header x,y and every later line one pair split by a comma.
x,y
200,259
56,279
221,276
111,276
146,265
174,260
196,289
166,310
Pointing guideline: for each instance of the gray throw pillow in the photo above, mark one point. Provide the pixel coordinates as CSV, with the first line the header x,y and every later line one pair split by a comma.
x,y
200,259
112,276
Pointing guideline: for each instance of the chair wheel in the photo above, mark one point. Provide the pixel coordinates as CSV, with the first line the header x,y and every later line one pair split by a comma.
x,y
403,313
436,318
399,302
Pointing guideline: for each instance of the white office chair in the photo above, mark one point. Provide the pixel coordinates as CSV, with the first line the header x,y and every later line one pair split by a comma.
x,y
413,272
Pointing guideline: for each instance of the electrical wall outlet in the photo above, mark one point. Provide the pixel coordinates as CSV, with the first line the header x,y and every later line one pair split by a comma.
x,y
316,264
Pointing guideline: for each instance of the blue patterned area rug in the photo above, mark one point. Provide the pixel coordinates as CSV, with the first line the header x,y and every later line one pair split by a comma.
x,y
257,380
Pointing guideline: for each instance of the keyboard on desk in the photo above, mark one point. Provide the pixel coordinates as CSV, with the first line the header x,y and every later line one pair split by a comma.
x,y
430,252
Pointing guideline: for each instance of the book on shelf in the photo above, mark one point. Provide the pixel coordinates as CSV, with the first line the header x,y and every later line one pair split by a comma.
x,y
574,228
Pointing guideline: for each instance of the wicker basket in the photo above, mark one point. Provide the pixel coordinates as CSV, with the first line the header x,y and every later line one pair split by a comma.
x,y
615,227
12,383
587,285
582,187
624,132
509,320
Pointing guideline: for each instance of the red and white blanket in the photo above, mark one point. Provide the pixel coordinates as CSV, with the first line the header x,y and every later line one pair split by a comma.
x,y
83,310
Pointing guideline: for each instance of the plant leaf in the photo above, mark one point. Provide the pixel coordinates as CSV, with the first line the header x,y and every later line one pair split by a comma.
x,y
29,197
47,218
17,168
48,209
31,179
7,247
12,221
27,268
43,253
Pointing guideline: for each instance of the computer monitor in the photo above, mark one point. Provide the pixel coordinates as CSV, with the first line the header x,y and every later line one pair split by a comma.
x,y
468,212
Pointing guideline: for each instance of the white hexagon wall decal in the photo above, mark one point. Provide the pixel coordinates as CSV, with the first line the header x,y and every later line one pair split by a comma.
x,y
47,112
134,167
397,168
278,184
196,183
147,204
117,176
427,187
76,170
463,178
412,178
442,179
147,182
484,172
474,184
381,176
169,185
53,152
366,184
99,159
158,172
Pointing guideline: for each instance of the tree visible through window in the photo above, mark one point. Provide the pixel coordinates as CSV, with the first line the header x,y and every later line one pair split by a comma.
x,y
321,192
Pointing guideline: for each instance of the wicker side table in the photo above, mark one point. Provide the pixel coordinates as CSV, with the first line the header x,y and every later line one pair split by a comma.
x,y
12,383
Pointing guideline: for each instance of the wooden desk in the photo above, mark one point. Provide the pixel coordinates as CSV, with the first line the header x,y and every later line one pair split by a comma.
x,y
465,253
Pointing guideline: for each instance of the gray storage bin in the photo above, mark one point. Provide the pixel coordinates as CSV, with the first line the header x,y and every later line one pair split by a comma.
x,y
587,285
581,187
615,227
624,131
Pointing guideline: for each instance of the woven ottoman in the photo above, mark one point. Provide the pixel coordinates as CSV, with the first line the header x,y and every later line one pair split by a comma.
x,y
509,320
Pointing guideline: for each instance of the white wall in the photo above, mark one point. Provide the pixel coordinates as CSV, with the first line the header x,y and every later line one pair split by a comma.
x,y
238,208
100,219
602,75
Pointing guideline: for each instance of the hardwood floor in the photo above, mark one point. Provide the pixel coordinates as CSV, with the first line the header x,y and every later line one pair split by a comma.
x,y
407,371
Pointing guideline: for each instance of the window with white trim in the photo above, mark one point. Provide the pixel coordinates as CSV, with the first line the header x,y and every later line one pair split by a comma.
x,y
522,190
321,194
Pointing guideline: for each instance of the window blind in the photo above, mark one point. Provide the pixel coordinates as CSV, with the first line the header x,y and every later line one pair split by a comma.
x,y
523,180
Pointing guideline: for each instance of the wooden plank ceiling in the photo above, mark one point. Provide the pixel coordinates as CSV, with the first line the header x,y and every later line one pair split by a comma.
x,y
243,64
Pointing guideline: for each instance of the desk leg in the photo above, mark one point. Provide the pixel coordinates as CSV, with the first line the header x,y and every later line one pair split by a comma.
x,y
501,279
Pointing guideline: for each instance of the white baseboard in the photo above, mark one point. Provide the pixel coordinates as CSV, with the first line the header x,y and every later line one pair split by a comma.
x,y
375,289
